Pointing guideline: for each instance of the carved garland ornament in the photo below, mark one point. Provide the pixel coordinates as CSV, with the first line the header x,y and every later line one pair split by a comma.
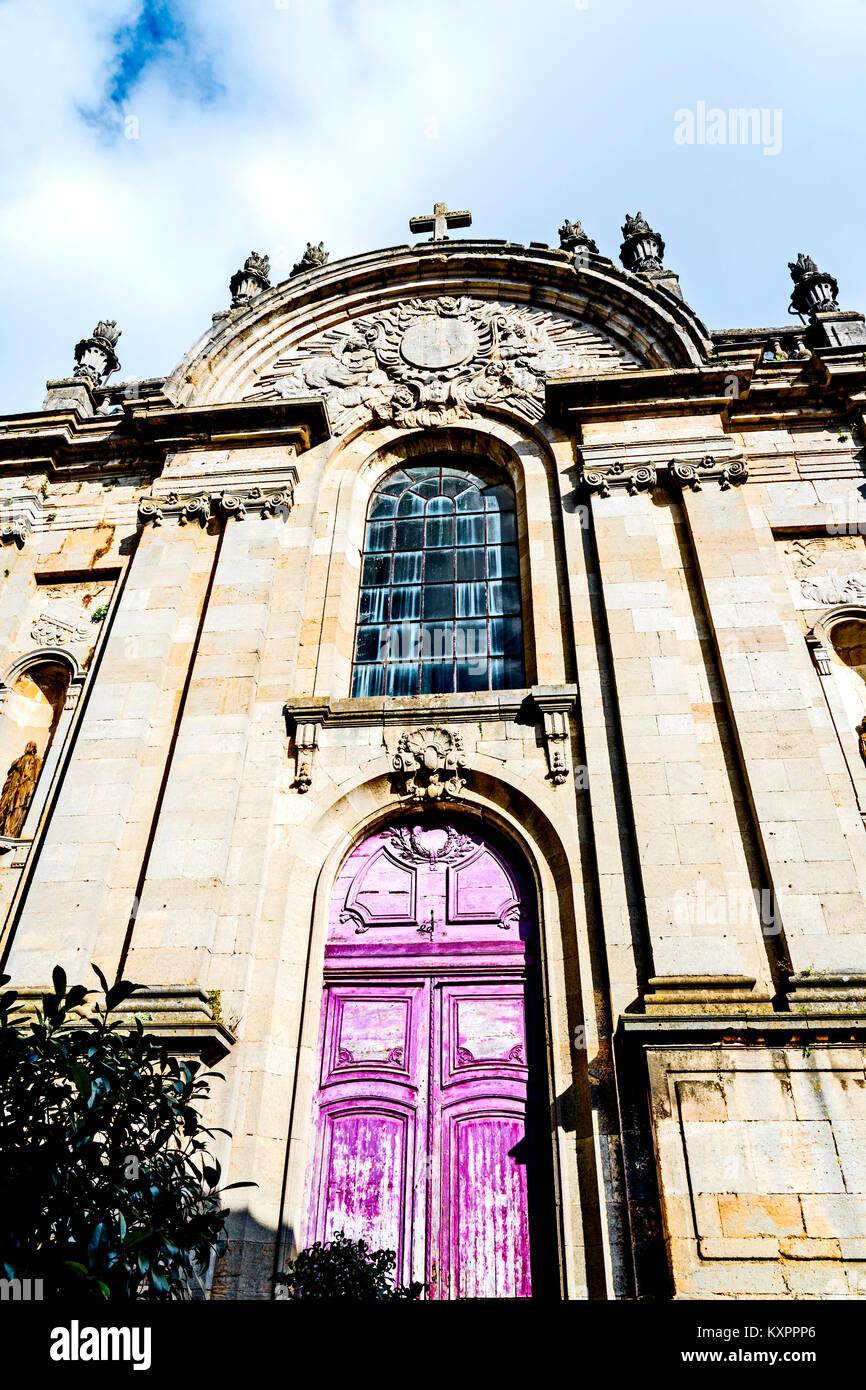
x,y
435,361
428,762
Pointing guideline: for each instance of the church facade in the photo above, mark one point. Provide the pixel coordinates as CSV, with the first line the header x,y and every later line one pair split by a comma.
x,y
445,692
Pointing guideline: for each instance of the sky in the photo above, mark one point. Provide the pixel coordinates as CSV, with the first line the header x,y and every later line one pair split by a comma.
x,y
147,146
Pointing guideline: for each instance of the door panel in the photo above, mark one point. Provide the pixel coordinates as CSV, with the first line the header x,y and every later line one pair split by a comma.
x,y
367,1154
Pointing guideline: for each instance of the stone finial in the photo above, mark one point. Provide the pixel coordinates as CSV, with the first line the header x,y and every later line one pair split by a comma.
x,y
642,248
572,237
250,280
313,257
95,358
814,291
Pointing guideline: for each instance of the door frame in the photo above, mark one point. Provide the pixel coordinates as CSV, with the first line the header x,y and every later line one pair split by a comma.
x,y
556,914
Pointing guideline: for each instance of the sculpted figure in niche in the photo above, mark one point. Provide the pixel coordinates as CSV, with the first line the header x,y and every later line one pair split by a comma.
x,y
18,790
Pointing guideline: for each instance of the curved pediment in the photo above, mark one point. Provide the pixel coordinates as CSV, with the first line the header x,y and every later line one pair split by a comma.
x,y
432,334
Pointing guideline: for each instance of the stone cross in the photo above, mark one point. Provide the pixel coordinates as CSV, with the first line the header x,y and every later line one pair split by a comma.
x,y
440,222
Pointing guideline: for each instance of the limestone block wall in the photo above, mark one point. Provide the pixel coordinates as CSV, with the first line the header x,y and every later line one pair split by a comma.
x,y
761,1153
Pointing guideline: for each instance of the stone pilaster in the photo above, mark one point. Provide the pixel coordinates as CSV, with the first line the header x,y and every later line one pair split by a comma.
x,y
804,806
83,892
701,908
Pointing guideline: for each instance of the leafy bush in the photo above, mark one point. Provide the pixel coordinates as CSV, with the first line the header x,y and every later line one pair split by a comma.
x,y
347,1269
109,1189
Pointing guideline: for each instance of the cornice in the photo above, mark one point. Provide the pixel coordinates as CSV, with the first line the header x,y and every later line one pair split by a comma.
x,y
744,390
144,432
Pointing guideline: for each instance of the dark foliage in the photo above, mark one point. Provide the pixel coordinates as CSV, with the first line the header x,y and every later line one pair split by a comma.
x,y
346,1269
109,1190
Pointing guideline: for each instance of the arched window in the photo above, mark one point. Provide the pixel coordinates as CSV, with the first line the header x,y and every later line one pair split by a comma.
x,y
439,607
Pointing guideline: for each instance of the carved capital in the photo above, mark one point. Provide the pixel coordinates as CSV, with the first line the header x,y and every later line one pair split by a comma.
x,y
230,504
200,507
18,515
683,473
195,509
428,762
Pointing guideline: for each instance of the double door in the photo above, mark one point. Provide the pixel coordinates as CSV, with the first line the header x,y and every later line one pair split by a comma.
x,y
430,1126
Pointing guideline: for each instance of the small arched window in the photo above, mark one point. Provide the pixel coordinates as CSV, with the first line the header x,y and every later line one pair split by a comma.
x,y
439,607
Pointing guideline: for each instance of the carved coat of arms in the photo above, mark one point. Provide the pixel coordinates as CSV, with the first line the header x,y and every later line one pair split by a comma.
x,y
433,362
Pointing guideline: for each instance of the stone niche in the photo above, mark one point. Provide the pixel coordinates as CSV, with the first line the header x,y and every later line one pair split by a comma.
x,y
762,1161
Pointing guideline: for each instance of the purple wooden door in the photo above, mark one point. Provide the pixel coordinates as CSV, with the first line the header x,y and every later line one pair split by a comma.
x,y
425,1086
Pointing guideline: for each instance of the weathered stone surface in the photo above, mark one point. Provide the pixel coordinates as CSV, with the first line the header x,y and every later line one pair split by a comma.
x,y
682,769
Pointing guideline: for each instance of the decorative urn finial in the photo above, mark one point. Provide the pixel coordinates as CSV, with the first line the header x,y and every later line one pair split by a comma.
x,y
313,257
814,291
642,249
95,357
572,237
251,280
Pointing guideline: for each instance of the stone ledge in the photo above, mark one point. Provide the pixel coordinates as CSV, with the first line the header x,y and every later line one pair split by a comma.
x,y
181,1017
765,1030
827,994
476,706
704,994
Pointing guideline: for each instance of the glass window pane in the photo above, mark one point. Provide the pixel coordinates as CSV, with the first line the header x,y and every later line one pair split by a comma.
x,y
376,569
410,505
501,527
470,564
437,677
502,562
395,483
407,567
374,606
438,601
470,640
368,680
380,536
438,566
425,470
471,675
506,636
499,499
470,529
410,535
504,596
471,600
406,602
382,506
402,680
403,642
440,506
430,488
506,673
370,642
437,643
470,501
440,530
452,482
